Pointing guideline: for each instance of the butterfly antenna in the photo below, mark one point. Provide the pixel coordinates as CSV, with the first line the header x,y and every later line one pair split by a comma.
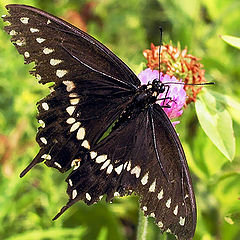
x,y
191,84
159,53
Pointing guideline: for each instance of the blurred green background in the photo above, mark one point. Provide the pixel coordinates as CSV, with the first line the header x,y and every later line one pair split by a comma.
x,y
127,27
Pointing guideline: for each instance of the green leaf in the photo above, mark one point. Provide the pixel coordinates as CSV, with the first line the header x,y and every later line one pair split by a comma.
x,y
216,122
233,41
232,105
103,234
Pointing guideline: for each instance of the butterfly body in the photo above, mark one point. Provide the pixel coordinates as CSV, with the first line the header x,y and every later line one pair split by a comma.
x,y
95,93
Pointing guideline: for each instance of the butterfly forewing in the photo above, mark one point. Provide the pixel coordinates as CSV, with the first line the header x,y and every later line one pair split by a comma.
x,y
91,90
87,90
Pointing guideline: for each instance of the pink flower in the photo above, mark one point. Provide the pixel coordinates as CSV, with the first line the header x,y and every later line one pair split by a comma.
x,y
176,92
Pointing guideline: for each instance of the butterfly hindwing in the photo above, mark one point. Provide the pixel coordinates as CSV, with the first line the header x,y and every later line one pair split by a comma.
x,y
125,162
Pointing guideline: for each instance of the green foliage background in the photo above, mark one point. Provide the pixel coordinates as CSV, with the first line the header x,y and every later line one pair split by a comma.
x,y
128,27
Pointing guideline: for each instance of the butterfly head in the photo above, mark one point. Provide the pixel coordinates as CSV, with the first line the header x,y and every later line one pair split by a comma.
x,y
158,86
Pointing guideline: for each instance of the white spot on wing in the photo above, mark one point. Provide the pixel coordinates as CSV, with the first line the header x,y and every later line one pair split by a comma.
x,y
109,169
40,40
57,164
26,55
152,214
160,224
13,33
75,126
153,186
74,193
101,158
144,180
45,106
105,164
38,77
70,85
42,123
74,101
119,169
81,133
181,221
55,62
176,210
34,30
129,166
88,197
136,170
93,154
61,73
116,194
144,208
20,42
160,195
24,20
71,120
48,50
168,203
70,110
43,140
85,144
70,182
48,21
46,156
72,95
76,163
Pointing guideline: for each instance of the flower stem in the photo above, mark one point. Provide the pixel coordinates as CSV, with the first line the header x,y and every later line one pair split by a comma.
x,y
142,226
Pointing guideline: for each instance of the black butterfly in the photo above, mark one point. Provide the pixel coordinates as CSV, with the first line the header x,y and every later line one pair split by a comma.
x,y
95,92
